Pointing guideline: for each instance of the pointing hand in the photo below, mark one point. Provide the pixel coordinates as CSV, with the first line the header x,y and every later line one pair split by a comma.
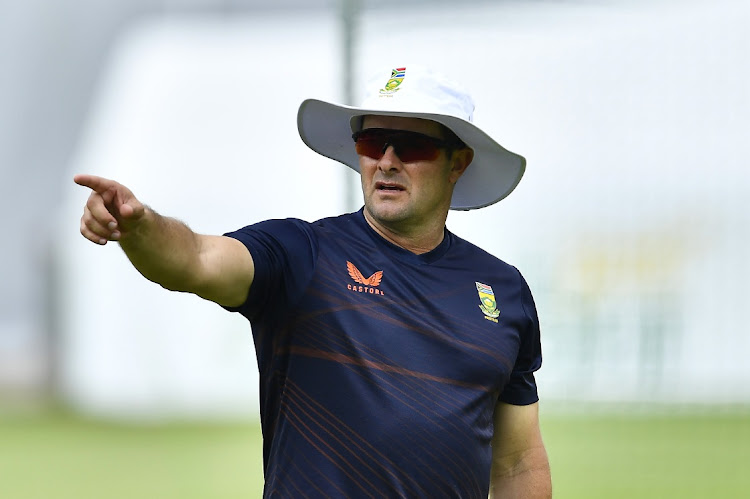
x,y
111,212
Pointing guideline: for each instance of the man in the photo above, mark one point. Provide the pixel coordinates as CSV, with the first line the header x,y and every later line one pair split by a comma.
x,y
396,359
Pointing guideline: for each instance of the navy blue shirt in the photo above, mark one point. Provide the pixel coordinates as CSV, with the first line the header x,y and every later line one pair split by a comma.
x,y
380,369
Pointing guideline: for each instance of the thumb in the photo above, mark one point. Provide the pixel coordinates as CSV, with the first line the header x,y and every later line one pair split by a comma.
x,y
129,210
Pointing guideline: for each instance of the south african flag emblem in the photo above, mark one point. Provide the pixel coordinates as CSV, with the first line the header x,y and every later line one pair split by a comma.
x,y
488,305
397,76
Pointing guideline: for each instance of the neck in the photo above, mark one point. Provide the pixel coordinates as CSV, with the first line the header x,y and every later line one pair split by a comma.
x,y
418,240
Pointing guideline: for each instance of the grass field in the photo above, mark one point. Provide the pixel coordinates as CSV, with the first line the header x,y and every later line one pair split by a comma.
x,y
679,456
58,456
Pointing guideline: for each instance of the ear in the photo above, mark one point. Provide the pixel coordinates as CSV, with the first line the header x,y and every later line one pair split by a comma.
x,y
461,159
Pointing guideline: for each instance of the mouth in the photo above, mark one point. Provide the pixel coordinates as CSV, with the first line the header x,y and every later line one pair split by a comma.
x,y
388,187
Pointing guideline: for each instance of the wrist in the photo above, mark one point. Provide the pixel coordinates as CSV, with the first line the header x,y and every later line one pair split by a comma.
x,y
140,228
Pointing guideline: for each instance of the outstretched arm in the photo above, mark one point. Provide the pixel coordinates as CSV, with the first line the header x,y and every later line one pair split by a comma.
x,y
520,468
163,249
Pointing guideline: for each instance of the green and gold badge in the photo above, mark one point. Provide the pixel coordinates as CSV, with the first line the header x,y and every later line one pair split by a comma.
x,y
487,302
397,76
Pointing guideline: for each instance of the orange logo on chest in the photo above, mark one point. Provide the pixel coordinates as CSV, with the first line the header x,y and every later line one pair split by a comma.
x,y
367,284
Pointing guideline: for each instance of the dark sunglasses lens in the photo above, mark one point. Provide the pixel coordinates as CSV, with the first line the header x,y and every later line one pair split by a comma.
x,y
371,146
408,146
416,148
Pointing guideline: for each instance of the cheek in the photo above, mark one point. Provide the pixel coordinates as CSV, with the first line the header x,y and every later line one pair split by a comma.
x,y
367,164
365,168
432,177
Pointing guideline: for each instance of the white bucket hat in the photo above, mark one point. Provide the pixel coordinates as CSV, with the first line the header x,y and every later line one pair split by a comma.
x,y
416,92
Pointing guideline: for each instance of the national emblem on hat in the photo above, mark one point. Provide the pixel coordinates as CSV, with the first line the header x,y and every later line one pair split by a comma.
x,y
397,76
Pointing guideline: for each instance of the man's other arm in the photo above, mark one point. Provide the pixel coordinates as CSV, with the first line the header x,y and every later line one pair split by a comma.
x,y
520,467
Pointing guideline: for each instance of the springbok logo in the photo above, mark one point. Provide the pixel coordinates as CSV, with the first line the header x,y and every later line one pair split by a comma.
x,y
367,284
488,305
397,76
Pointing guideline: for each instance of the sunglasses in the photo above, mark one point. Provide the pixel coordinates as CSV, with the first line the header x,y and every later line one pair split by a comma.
x,y
408,146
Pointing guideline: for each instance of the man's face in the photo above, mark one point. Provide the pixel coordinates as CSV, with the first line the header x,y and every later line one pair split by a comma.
x,y
408,193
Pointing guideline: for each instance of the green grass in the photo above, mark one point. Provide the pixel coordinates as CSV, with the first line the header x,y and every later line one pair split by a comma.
x,y
56,456
636,456
62,457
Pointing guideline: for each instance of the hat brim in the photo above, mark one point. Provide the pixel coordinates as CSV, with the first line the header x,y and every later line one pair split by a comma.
x,y
492,175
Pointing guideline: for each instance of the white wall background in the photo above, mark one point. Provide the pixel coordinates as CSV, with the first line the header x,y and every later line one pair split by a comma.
x,y
630,223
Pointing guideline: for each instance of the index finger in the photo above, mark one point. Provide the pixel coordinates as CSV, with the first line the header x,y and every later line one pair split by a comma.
x,y
97,184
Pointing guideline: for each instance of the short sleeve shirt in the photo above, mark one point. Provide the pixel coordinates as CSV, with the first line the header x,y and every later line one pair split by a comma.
x,y
380,369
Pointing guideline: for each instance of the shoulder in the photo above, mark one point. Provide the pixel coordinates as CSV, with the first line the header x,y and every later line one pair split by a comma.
x,y
345,222
480,259
293,232
491,271
333,222
283,226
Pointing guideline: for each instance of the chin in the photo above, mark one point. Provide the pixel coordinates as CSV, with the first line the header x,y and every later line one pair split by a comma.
x,y
388,213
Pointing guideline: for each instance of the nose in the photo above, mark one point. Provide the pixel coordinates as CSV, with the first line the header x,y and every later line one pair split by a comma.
x,y
389,160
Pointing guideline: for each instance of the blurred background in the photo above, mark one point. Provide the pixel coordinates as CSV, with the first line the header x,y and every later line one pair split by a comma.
x,y
631,224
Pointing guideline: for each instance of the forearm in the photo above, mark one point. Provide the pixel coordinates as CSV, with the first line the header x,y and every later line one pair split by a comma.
x,y
531,484
529,479
164,250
